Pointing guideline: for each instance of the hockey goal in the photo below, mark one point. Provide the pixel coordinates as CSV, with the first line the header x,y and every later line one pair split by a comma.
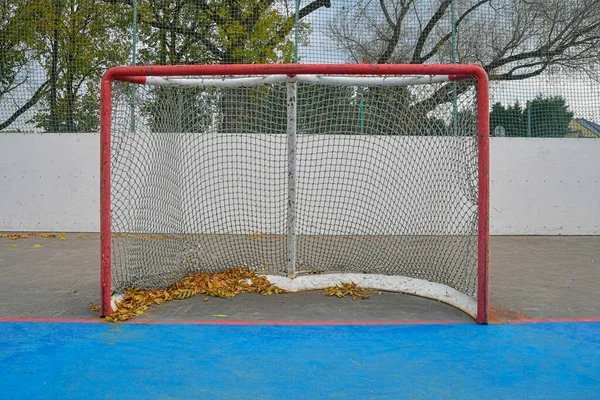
x,y
310,174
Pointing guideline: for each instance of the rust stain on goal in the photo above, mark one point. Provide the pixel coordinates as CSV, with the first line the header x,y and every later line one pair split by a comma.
x,y
500,315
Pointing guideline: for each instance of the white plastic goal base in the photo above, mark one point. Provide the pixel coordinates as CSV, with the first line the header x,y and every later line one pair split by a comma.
x,y
388,283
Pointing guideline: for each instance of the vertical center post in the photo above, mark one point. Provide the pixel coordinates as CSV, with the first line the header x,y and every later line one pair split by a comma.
x,y
291,172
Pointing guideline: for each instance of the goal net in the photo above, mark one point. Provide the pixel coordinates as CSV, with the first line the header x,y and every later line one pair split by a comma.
x,y
310,174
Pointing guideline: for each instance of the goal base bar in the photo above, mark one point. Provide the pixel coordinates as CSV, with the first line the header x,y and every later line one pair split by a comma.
x,y
388,283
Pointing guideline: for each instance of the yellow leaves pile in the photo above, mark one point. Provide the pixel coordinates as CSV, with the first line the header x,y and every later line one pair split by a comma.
x,y
225,284
17,236
349,289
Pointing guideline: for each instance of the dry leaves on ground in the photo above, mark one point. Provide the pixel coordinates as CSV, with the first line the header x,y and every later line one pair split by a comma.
x,y
225,284
349,289
17,236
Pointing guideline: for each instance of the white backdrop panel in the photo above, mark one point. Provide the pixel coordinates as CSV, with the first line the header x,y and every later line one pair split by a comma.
x,y
50,182
346,184
545,186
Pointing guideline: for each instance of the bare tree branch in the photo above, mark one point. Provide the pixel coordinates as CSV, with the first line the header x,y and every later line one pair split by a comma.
x,y
393,41
125,2
386,14
448,36
314,6
32,101
290,22
510,39
437,16
213,48
211,12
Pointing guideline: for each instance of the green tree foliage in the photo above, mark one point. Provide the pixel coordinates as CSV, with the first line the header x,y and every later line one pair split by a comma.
x,y
337,110
15,30
262,109
436,127
510,118
541,117
75,41
232,31
12,54
550,117
329,110
216,32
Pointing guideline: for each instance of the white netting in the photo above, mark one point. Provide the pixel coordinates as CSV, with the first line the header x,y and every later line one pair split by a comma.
x,y
386,182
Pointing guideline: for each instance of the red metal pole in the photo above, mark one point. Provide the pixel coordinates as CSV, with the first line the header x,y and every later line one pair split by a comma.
x,y
483,111
456,71
105,239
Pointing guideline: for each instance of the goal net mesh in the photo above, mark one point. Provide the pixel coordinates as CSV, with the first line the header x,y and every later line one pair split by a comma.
x,y
386,181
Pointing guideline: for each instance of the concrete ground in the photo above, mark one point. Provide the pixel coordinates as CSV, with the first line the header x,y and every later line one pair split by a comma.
x,y
531,278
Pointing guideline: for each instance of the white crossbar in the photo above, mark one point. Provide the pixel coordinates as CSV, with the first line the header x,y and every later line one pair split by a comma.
x,y
315,79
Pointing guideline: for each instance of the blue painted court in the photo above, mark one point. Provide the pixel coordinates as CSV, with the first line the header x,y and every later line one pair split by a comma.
x,y
427,361
544,342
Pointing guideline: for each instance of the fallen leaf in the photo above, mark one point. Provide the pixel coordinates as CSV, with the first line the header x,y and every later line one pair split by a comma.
x,y
14,236
94,307
37,246
219,315
349,289
224,284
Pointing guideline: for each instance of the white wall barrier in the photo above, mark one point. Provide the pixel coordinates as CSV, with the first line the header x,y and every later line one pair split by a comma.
x,y
50,182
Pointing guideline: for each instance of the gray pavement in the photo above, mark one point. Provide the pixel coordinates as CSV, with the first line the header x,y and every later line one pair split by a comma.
x,y
531,277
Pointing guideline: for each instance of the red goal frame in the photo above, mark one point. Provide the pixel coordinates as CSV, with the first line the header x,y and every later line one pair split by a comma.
x,y
138,74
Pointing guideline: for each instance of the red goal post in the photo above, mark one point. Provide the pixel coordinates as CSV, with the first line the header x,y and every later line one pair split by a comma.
x,y
139,74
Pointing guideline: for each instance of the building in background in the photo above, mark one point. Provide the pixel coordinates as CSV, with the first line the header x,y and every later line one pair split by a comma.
x,y
582,128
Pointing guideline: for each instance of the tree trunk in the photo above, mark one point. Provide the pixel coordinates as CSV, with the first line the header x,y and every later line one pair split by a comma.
x,y
69,112
54,119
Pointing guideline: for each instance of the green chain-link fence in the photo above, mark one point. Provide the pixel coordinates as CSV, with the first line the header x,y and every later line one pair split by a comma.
x,y
543,56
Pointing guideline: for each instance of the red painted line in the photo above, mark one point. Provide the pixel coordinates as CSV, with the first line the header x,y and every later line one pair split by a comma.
x,y
294,323
290,323
65,320
232,322
557,320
